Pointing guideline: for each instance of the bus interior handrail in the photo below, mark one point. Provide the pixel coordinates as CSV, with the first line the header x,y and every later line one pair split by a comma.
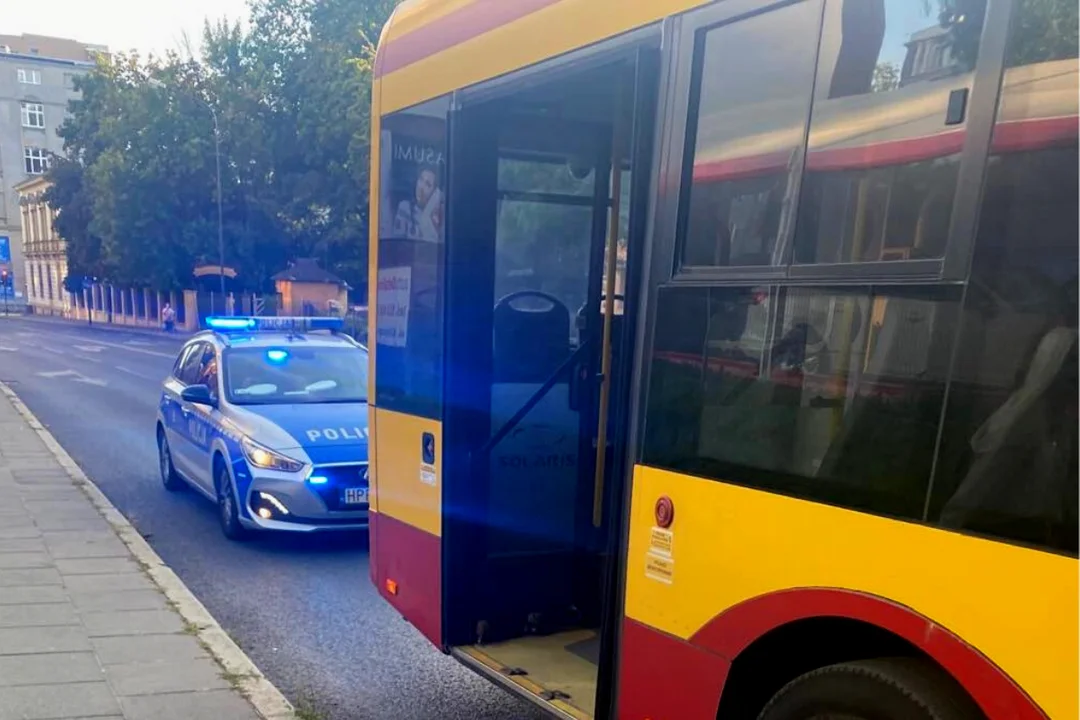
x,y
532,402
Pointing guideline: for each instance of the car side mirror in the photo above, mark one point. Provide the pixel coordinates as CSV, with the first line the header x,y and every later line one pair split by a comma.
x,y
198,395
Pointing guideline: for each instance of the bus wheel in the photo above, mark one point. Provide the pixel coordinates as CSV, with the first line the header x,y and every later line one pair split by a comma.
x,y
879,689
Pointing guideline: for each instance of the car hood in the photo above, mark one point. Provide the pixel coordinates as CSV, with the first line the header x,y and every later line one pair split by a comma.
x,y
327,432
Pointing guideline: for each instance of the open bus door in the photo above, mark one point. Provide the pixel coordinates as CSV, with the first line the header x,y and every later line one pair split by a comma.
x,y
548,188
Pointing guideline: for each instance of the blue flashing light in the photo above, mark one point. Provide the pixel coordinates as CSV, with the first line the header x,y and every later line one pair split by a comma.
x,y
230,323
277,356
275,324
318,480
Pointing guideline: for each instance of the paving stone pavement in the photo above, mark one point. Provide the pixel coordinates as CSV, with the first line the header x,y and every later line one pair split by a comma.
x,y
84,632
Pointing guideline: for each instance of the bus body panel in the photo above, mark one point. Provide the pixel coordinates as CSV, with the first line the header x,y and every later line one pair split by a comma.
x,y
730,545
406,556
432,48
1000,617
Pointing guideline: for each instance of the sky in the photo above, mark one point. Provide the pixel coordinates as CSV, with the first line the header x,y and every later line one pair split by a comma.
x,y
144,25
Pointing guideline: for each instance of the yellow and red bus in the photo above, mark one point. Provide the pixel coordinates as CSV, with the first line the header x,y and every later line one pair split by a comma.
x,y
725,353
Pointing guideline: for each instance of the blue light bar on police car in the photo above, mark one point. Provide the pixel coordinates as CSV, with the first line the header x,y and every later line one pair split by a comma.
x,y
274,324
230,323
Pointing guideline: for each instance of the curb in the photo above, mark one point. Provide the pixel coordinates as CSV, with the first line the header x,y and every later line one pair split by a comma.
x,y
267,700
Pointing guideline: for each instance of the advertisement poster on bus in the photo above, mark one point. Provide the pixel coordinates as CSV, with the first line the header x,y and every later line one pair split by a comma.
x,y
412,196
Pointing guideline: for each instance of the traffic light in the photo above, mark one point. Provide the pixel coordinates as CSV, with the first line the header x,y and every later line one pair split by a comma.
x,y
5,277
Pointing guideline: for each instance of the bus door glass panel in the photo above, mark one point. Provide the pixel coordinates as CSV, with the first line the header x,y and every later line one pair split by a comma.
x,y
543,241
888,124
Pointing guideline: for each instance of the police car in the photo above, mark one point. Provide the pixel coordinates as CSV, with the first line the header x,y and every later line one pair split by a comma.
x,y
268,418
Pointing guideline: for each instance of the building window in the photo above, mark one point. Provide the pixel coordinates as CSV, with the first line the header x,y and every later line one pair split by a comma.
x,y
33,115
29,77
36,160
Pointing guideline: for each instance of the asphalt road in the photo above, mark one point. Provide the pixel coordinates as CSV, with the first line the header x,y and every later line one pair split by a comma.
x,y
303,609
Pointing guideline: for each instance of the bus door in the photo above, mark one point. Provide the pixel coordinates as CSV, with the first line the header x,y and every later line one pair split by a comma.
x,y
541,258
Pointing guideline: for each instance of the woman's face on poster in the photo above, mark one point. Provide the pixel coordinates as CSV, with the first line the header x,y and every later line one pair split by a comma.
x,y
425,186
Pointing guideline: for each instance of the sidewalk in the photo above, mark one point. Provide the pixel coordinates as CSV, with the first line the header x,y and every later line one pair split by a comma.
x,y
108,327
92,623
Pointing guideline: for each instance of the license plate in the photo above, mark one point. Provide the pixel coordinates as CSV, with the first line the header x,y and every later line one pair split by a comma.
x,y
355,496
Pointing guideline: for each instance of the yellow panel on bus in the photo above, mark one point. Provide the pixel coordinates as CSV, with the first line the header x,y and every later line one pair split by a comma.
x,y
406,487
730,544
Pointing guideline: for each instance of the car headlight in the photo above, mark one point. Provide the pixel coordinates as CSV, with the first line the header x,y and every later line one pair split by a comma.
x,y
264,457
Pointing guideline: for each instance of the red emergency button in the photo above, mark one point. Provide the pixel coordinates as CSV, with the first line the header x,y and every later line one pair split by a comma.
x,y
665,511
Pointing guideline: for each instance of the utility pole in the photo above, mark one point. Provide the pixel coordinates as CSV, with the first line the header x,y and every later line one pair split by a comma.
x,y
220,220
88,300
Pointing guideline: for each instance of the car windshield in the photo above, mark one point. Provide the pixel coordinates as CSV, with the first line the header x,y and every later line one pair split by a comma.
x,y
289,374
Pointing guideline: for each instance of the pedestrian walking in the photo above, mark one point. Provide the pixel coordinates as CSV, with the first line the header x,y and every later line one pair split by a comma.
x,y
168,317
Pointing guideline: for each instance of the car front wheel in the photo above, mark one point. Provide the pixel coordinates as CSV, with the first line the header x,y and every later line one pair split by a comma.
x,y
169,477
228,512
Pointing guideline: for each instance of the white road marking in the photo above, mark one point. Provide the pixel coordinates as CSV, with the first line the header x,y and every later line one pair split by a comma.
x,y
130,348
132,372
5,348
89,348
87,358
77,377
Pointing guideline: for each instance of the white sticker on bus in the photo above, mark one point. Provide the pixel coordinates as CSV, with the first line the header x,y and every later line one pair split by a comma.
x,y
392,317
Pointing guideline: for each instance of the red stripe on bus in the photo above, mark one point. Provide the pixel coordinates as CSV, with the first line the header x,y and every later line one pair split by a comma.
x,y
740,168
664,678
452,29
731,632
413,561
890,152
870,385
1022,135
1014,136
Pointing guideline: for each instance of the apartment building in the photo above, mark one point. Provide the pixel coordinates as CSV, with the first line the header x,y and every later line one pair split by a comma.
x,y
44,252
36,82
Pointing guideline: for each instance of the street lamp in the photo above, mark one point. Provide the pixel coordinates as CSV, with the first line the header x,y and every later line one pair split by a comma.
x,y
217,175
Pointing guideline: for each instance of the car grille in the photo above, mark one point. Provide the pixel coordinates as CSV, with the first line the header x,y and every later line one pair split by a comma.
x,y
338,478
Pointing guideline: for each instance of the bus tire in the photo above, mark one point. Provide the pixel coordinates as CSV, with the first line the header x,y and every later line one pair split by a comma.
x,y
901,688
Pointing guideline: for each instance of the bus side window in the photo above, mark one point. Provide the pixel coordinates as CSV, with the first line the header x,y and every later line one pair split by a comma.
x,y
745,135
882,162
1008,461
829,394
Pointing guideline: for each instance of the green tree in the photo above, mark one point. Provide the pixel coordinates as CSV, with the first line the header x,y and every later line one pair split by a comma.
x,y
136,190
886,77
